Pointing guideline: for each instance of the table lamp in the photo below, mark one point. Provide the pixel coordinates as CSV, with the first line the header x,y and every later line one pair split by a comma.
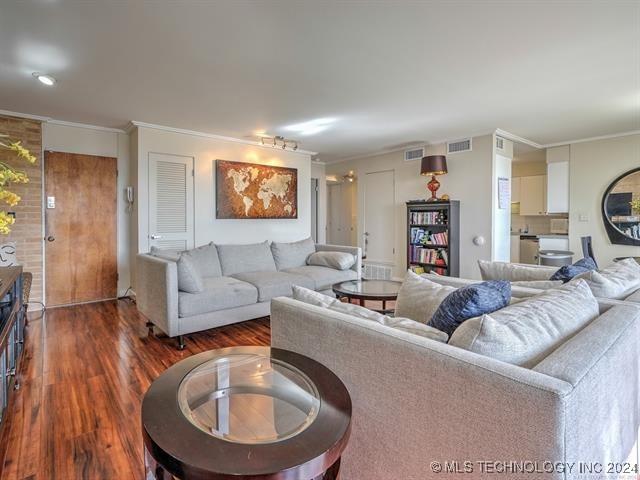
x,y
433,165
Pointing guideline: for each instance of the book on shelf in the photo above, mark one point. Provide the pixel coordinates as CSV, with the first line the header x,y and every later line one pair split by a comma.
x,y
419,254
426,237
429,218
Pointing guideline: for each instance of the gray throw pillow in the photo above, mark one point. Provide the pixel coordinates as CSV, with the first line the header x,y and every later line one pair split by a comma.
x,y
165,253
254,257
419,298
397,323
206,260
189,278
617,281
335,260
526,332
293,254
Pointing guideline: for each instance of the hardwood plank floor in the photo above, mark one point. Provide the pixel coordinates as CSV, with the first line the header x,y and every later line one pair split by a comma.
x,y
85,370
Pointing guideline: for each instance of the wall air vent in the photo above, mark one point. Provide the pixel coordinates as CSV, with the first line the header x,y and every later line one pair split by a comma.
x,y
413,154
459,146
500,143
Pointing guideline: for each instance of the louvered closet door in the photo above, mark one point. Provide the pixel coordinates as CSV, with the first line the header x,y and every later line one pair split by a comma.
x,y
170,201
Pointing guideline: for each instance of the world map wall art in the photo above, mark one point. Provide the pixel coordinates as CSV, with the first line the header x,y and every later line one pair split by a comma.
x,y
250,190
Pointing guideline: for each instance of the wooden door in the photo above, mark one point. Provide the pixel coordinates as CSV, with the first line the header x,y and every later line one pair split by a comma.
x,y
379,217
80,228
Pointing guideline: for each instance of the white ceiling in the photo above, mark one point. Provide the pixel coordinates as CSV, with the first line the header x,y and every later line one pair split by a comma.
x,y
387,72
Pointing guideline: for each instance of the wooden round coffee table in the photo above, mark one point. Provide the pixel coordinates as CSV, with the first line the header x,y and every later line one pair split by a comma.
x,y
246,412
363,290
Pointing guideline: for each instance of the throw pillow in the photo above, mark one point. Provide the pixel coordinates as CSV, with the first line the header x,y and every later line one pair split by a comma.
x,y
419,298
616,281
206,260
514,272
403,324
8,254
528,331
471,301
293,254
335,260
568,272
165,253
539,284
189,278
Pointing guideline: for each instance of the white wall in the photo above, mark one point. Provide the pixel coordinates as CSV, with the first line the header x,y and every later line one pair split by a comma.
x,y
318,171
205,150
88,141
469,181
592,167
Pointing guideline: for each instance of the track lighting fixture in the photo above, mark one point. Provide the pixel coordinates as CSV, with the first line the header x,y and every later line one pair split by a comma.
x,y
279,141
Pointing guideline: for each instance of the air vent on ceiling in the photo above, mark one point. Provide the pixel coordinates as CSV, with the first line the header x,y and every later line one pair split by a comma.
x,y
459,146
413,154
500,143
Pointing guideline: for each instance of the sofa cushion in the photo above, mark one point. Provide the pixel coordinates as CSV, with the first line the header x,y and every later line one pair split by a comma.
x,y
568,272
539,284
514,272
617,281
219,293
189,278
404,324
470,301
634,297
206,259
293,254
323,277
419,298
274,284
526,332
335,260
255,257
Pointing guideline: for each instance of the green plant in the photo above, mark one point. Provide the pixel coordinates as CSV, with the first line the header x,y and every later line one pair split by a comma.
x,y
635,205
10,175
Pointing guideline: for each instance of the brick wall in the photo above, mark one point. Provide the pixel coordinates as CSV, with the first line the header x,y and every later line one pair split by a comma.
x,y
27,231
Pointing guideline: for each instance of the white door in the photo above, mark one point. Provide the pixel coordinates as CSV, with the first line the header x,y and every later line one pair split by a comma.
x,y
334,215
314,209
379,216
170,201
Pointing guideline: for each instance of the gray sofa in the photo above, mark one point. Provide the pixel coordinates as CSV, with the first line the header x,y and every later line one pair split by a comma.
x,y
420,405
239,283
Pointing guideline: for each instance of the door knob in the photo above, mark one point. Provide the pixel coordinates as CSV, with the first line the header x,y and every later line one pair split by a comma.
x,y
156,237
50,238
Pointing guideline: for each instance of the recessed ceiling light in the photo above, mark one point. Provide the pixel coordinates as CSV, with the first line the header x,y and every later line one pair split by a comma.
x,y
46,79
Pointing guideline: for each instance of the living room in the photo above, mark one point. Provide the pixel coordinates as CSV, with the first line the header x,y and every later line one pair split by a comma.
x,y
319,240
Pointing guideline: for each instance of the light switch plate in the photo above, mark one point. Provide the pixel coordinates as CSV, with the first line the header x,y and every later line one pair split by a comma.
x,y
51,202
583,217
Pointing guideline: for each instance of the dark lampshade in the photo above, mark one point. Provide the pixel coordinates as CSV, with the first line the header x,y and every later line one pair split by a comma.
x,y
433,165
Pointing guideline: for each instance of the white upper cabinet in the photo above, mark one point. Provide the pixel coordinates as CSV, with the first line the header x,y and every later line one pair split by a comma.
x,y
558,179
533,195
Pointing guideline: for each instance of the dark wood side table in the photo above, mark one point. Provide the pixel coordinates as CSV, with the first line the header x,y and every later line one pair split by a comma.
x,y
374,290
244,413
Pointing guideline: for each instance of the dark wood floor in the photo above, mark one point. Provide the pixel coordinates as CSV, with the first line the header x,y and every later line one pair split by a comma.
x,y
84,373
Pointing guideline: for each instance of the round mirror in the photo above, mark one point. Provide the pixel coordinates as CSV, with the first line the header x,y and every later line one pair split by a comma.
x,y
621,209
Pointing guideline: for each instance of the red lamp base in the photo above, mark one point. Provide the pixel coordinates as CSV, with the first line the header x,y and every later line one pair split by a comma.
x,y
433,187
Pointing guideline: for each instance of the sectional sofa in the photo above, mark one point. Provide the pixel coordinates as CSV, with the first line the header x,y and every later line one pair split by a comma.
x,y
238,281
425,409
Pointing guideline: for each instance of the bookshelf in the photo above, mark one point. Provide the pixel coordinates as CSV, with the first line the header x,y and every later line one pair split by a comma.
x,y
433,237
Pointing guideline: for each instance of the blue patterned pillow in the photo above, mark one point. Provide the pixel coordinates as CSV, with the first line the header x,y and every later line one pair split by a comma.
x,y
567,272
470,301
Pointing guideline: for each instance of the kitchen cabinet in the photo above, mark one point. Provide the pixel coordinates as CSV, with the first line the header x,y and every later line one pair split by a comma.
x,y
529,251
515,189
554,243
533,195
558,179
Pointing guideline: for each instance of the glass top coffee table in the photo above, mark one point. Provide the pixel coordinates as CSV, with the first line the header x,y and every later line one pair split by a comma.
x,y
245,411
374,290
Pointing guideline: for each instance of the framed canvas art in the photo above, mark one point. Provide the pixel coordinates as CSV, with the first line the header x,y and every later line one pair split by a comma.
x,y
251,190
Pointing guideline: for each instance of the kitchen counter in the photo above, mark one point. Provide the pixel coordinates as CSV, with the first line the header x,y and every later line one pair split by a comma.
x,y
561,236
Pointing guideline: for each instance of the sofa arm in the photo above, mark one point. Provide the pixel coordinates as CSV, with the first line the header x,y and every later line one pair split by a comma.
x,y
157,292
355,251
429,400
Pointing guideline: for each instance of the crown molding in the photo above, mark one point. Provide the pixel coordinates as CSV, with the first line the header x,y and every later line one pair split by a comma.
x,y
515,138
85,125
593,139
9,113
194,133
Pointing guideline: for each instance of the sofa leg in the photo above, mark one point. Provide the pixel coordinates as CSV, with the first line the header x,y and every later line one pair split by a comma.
x,y
180,340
